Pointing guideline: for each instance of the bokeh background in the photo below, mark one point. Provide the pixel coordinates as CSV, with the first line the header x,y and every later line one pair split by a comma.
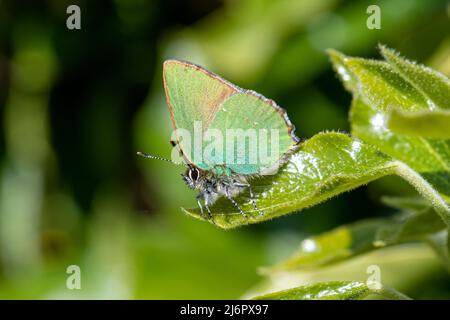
x,y
76,105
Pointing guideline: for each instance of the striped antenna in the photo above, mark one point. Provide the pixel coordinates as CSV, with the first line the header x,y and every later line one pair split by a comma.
x,y
155,157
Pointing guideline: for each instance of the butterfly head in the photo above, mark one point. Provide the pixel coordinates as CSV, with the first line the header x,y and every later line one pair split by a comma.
x,y
192,177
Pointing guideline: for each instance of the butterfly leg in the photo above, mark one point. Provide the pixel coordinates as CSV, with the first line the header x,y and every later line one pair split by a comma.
x,y
199,197
207,198
252,197
235,204
253,201
210,216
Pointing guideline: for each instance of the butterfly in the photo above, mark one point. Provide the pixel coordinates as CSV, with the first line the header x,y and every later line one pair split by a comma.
x,y
203,104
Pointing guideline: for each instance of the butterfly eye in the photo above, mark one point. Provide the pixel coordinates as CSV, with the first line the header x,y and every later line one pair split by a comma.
x,y
193,174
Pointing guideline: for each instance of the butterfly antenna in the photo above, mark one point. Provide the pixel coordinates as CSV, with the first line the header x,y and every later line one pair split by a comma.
x,y
155,157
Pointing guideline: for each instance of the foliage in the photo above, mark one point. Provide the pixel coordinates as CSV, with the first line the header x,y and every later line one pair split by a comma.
x,y
76,105
391,99
338,290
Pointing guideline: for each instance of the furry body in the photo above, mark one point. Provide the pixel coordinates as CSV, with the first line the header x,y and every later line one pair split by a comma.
x,y
216,183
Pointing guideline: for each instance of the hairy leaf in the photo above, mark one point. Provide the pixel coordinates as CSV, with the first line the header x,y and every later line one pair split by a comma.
x,y
428,124
434,86
336,290
379,87
324,166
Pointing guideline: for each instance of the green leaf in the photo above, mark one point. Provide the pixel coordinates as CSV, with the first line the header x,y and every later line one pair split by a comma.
x,y
335,290
379,87
332,246
409,227
405,203
348,241
434,86
331,163
324,166
427,124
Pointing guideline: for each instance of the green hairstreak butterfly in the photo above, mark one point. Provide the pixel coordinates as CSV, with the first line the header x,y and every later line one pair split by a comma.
x,y
203,104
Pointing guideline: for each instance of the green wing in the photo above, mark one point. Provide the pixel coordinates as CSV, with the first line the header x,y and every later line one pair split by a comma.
x,y
195,95
267,122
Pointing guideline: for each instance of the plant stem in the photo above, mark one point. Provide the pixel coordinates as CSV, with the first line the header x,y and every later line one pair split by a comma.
x,y
425,189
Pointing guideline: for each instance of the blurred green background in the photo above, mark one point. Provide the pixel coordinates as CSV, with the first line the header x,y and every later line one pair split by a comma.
x,y
76,105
